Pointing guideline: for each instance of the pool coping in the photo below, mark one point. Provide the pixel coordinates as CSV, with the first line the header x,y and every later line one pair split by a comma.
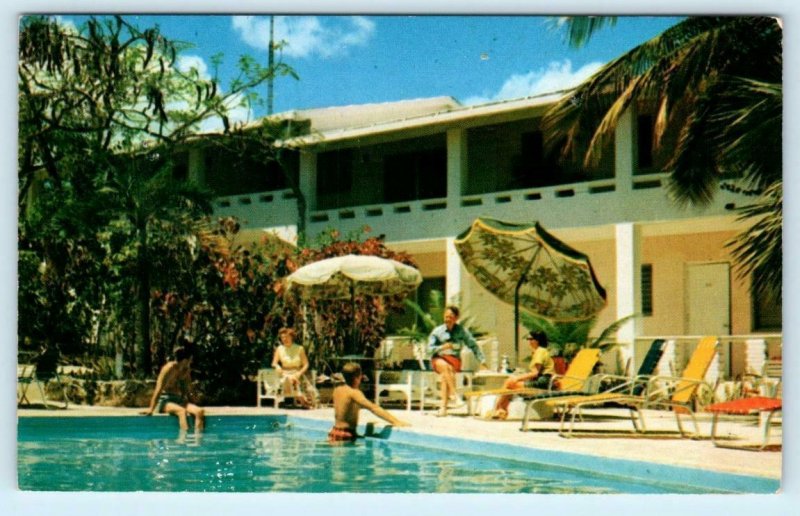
x,y
640,471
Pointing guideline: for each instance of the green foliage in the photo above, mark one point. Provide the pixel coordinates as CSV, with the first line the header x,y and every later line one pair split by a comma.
x,y
105,228
567,338
329,323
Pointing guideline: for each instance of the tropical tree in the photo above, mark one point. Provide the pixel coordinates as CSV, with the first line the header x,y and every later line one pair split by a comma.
x,y
103,109
716,85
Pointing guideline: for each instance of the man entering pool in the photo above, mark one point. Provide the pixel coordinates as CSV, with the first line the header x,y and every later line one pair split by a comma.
x,y
348,400
172,387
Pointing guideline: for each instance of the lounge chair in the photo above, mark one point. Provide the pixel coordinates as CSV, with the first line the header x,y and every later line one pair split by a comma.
x,y
681,392
765,399
608,383
745,406
766,383
43,371
573,381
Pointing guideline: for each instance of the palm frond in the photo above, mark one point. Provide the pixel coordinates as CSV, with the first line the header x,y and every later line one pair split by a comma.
x,y
759,250
581,28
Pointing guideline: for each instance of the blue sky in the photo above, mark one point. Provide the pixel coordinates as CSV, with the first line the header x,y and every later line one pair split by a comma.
x,y
345,60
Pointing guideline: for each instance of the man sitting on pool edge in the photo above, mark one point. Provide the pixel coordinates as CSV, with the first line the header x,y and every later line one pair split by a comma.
x,y
170,395
348,400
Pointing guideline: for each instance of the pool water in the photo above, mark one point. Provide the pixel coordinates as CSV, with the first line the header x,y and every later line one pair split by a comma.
x,y
277,454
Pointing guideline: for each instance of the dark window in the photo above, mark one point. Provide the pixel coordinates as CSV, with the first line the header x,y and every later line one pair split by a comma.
x,y
647,289
180,166
334,178
415,175
645,133
767,312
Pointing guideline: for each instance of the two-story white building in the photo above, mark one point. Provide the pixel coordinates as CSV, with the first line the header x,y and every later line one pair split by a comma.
x,y
420,171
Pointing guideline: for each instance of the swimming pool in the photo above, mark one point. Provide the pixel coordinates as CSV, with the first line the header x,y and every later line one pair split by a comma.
x,y
290,454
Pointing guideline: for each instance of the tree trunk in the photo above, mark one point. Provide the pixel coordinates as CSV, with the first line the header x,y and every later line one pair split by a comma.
x,y
144,363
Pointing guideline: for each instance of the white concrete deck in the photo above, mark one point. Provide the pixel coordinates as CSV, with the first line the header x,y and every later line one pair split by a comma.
x,y
543,435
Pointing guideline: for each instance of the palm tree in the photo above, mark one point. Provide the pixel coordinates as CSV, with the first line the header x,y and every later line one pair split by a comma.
x,y
716,85
147,200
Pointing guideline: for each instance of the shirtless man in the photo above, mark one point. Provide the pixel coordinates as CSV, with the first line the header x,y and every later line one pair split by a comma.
x,y
348,400
170,394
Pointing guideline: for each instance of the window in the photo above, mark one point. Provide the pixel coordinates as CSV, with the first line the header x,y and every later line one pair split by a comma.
x,y
647,289
335,172
415,175
767,312
180,166
645,131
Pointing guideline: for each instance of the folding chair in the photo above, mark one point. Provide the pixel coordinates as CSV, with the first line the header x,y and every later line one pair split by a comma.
x,y
42,372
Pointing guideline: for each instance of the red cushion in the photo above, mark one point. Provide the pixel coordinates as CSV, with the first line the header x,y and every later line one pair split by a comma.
x,y
746,405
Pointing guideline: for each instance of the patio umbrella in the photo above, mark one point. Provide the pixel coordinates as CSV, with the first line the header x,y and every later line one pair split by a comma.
x,y
344,277
524,265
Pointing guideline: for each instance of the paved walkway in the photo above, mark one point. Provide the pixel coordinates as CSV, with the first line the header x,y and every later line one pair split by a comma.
x,y
543,435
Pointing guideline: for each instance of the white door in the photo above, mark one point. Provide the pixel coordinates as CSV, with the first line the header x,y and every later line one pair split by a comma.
x,y
708,304
708,308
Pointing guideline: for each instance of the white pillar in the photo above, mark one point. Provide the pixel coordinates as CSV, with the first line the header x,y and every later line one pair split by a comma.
x,y
454,271
624,152
629,298
456,167
308,178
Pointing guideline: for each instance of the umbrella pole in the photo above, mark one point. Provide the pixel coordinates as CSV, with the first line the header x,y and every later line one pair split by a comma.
x,y
353,324
522,279
516,320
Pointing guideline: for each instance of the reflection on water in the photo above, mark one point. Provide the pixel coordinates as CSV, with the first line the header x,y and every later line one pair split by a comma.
x,y
233,457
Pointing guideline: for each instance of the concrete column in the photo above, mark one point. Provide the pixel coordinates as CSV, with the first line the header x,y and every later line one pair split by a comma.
x,y
456,167
308,178
625,151
197,166
629,297
454,271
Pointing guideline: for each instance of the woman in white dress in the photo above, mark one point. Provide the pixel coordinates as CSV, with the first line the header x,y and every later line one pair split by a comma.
x,y
292,363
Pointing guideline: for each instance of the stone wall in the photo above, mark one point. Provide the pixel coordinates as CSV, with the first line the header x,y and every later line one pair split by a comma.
x,y
119,393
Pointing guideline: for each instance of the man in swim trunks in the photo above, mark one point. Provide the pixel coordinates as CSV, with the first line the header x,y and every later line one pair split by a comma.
x,y
444,345
348,400
170,394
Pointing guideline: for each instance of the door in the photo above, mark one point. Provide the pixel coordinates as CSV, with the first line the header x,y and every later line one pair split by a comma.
x,y
708,305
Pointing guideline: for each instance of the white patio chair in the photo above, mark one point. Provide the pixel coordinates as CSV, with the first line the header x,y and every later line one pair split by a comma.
x,y
270,387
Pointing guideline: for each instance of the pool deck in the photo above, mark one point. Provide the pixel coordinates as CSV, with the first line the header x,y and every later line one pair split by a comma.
x,y
669,450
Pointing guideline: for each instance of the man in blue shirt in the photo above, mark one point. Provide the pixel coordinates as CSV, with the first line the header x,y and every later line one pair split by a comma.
x,y
444,346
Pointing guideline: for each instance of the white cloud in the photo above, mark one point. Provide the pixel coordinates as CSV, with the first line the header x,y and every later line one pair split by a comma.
x,y
187,62
305,36
556,76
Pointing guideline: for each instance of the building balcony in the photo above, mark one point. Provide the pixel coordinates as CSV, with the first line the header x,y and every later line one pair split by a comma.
x,y
568,205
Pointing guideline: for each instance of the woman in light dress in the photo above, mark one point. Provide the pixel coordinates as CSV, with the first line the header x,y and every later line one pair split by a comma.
x,y
292,363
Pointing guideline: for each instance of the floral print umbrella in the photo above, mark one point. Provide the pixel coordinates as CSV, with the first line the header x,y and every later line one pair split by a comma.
x,y
524,265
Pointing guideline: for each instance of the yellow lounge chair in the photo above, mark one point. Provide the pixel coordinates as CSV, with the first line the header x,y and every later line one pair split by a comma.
x,y
573,380
682,391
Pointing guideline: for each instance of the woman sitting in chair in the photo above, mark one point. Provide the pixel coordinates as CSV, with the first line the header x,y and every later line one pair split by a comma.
x,y
292,363
542,368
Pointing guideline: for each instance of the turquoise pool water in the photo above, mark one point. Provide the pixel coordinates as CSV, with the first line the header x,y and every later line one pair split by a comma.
x,y
280,454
